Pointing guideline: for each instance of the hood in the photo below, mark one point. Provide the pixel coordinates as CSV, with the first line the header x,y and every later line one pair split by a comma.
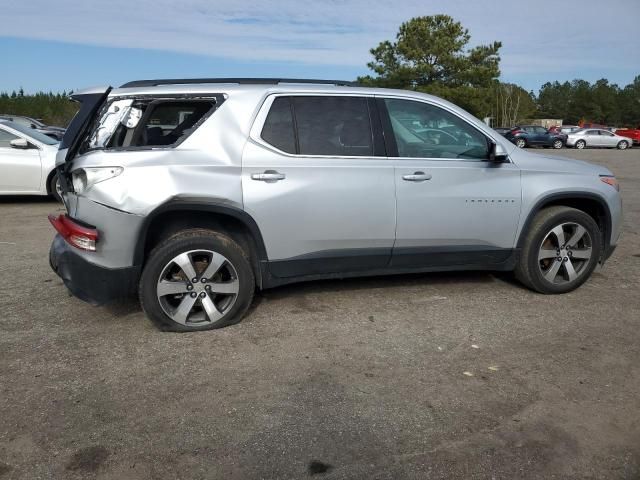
x,y
550,163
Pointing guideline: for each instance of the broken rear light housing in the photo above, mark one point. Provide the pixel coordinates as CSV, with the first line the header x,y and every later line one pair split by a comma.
x,y
79,236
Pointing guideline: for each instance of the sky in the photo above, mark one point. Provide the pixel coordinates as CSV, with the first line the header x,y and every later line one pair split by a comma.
x,y
71,44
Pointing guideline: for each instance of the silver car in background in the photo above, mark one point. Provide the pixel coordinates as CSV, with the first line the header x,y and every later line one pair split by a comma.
x,y
596,137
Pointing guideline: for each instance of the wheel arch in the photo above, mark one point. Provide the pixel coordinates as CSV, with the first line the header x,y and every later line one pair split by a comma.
x,y
590,203
180,214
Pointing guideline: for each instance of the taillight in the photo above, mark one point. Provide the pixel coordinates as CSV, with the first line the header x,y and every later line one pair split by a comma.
x,y
81,237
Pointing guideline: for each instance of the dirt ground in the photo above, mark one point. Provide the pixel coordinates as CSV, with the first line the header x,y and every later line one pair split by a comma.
x,y
358,379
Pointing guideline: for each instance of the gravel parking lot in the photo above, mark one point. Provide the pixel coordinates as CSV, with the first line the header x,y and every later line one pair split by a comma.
x,y
464,375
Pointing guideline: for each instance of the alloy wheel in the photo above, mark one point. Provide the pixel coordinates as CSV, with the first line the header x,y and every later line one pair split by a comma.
x,y
198,287
58,188
557,144
580,144
520,143
565,253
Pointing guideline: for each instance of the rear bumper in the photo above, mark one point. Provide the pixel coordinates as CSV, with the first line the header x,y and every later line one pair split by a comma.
x,y
89,282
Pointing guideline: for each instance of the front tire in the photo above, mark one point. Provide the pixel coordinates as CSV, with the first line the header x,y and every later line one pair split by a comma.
x,y
521,143
561,249
580,144
557,144
623,145
196,280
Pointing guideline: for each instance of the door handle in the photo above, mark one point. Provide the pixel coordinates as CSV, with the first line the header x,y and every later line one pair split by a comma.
x,y
268,176
417,177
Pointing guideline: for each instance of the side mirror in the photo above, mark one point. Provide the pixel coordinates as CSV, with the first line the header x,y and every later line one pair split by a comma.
x,y
19,143
497,153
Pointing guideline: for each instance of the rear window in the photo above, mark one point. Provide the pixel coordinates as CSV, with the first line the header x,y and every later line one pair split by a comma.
x,y
320,125
138,122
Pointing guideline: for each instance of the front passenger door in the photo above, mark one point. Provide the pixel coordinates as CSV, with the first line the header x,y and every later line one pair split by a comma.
x,y
593,138
454,207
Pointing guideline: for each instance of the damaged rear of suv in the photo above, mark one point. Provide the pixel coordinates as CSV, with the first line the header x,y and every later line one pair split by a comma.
x,y
193,193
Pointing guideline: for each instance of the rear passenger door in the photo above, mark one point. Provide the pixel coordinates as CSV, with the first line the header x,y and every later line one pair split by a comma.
x,y
592,137
316,181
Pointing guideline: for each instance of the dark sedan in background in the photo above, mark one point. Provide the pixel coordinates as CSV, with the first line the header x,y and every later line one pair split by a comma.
x,y
49,130
535,136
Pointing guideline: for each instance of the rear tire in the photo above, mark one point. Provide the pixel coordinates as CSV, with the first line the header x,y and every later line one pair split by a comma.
x,y
521,143
557,144
54,188
561,248
580,144
221,293
623,145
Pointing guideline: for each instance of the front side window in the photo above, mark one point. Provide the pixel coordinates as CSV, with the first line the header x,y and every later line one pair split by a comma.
x,y
131,122
5,139
422,130
320,125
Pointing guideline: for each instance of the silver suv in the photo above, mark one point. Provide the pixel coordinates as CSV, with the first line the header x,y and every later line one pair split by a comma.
x,y
196,192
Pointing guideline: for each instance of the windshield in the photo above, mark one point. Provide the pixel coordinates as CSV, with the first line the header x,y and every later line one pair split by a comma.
x,y
30,132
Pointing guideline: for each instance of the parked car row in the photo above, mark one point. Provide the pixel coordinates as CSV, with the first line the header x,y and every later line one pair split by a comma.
x,y
27,161
569,136
49,130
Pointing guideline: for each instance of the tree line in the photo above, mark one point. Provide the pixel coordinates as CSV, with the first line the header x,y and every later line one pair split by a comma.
x,y
431,54
51,108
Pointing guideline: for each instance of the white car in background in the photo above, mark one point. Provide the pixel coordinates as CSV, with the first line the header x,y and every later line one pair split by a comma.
x,y
597,137
27,161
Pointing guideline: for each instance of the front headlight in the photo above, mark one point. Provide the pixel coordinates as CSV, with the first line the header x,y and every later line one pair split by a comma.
x,y
85,178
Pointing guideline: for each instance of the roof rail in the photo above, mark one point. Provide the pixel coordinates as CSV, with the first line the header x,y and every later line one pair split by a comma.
x,y
241,81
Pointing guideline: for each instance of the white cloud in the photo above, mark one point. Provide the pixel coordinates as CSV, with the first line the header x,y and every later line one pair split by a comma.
x,y
547,36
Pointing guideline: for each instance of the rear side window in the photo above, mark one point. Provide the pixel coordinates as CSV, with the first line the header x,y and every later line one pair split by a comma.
x,y
333,126
278,128
127,123
320,125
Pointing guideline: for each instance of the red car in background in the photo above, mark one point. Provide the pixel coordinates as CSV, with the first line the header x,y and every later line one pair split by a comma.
x,y
632,133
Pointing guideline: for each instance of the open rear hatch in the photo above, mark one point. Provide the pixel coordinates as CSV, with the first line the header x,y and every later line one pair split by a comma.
x,y
91,100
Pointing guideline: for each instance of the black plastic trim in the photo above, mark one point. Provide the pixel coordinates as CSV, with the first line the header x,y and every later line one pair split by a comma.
x,y
385,261
379,147
89,282
241,81
449,256
190,204
387,129
568,196
331,261
363,263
